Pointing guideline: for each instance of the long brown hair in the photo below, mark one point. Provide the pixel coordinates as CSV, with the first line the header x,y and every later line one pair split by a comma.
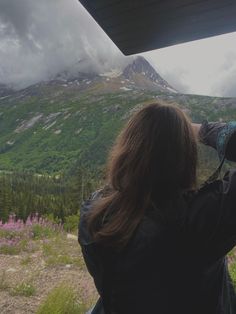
x,y
154,158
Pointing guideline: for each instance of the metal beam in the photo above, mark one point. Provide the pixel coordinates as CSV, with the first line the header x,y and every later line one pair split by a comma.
x,y
138,26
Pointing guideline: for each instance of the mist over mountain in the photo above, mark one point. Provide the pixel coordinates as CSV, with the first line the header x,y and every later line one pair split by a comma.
x,y
138,74
38,39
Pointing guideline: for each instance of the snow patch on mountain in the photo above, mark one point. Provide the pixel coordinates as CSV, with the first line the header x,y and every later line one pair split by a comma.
x,y
112,74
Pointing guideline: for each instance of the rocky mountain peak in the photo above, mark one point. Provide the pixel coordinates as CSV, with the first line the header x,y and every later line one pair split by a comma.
x,y
141,67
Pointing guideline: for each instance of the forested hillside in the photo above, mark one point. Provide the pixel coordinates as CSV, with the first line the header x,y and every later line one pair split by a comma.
x,y
55,136
48,136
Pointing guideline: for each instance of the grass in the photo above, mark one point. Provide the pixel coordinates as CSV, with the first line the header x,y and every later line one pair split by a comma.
x,y
62,300
10,250
56,252
23,246
41,232
60,260
3,282
25,289
26,261
28,272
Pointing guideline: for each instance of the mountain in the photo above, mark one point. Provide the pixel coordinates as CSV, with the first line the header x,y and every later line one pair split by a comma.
x,y
138,75
71,120
145,76
5,90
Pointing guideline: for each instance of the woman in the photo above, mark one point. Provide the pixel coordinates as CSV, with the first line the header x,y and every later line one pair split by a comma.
x,y
153,242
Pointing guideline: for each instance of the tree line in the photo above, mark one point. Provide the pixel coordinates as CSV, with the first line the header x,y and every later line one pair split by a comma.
x,y
26,193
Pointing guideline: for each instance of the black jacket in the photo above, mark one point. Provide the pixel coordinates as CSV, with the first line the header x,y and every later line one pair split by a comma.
x,y
173,265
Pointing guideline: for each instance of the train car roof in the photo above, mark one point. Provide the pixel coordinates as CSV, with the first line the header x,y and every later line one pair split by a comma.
x,y
138,26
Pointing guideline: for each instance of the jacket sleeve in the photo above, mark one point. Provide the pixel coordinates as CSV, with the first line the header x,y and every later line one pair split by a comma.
x,y
209,132
220,136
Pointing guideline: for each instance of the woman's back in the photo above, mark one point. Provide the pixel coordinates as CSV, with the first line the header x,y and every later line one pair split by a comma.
x,y
152,245
175,264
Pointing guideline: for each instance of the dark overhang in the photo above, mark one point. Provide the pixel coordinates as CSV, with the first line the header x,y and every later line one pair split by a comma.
x,y
138,26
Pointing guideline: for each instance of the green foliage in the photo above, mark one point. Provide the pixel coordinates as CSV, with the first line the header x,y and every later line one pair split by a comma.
x,y
10,249
25,289
41,232
48,249
71,223
25,245
79,128
55,197
51,218
62,300
232,270
51,172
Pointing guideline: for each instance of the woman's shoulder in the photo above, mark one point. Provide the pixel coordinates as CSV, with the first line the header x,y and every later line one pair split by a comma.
x,y
211,209
84,237
204,201
215,189
83,233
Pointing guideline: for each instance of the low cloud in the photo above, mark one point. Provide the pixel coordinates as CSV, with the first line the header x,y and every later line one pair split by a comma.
x,y
176,79
38,39
226,84
204,67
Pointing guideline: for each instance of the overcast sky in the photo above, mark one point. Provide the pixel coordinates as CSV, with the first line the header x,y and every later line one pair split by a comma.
x,y
41,38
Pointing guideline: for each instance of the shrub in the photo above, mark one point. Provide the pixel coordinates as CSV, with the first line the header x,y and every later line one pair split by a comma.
x,y
71,223
43,231
61,300
50,217
14,230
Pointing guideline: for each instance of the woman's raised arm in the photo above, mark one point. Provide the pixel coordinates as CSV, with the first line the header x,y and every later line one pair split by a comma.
x,y
220,136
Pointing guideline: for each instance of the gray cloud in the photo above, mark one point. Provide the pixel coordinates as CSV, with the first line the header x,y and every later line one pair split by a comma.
x,y
175,79
226,84
227,88
41,38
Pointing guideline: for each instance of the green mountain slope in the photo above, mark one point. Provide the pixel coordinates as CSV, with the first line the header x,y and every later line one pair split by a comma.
x,y
54,126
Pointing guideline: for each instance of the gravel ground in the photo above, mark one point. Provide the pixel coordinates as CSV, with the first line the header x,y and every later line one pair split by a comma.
x,y
43,277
